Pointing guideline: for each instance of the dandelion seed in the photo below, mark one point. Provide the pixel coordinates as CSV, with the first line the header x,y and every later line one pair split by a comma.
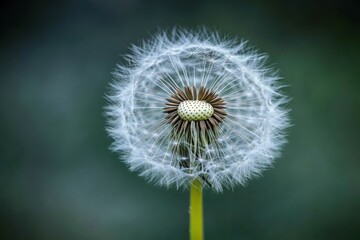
x,y
195,106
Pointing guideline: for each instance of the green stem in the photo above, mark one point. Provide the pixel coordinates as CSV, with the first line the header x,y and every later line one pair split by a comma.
x,y
196,211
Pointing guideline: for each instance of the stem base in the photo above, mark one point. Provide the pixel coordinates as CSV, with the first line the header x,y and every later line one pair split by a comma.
x,y
196,211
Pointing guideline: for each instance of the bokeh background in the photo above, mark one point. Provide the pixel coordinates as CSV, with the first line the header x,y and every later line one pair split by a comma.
x,y
58,180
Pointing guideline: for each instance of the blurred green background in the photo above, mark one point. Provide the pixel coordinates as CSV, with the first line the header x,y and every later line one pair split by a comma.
x,y
58,180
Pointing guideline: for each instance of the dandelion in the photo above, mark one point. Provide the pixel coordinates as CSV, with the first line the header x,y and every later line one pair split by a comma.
x,y
194,109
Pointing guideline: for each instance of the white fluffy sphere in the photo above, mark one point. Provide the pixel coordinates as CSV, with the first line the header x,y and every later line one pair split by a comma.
x,y
239,139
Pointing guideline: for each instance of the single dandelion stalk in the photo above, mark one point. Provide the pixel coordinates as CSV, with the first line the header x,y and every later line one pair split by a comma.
x,y
196,211
194,110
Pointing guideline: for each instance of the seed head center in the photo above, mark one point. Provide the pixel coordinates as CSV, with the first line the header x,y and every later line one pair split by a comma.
x,y
195,110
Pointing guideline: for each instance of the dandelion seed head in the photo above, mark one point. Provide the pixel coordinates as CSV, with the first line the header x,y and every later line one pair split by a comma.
x,y
195,110
192,105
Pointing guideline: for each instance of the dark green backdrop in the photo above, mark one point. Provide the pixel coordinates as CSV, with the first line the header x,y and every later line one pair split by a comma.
x,y
58,180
